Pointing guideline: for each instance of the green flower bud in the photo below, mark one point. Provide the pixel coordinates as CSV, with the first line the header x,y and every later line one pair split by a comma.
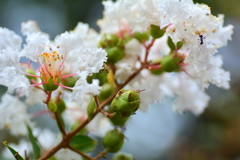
x,y
101,76
106,91
118,120
156,32
113,140
61,106
141,37
159,70
126,103
30,71
114,54
170,63
69,81
52,106
50,85
122,156
108,41
91,108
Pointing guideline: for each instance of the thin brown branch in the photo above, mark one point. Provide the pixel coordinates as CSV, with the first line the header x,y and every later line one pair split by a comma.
x,y
59,123
101,154
78,152
68,136
148,49
49,95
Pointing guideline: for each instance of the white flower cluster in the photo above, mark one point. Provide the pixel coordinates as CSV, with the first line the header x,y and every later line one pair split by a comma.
x,y
194,25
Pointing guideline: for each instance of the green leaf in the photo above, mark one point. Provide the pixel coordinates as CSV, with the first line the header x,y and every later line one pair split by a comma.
x,y
83,143
36,148
15,153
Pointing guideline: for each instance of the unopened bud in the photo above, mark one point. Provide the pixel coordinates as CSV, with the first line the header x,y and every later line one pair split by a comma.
x,y
108,41
122,156
114,54
141,37
32,72
61,106
91,108
69,81
170,63
118,120
106,91
101,76
126,103
113,140
52,106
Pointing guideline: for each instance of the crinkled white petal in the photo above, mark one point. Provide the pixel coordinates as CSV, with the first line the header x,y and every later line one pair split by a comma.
x,y
15,117
29,27
34,42
9,39
73,42
13,80
35,96
82,87
90,60
190,98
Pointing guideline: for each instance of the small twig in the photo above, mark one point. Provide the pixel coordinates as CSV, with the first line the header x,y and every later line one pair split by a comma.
x,y
109,115
101,154
78,152
26,157
59,123
147,49
49,94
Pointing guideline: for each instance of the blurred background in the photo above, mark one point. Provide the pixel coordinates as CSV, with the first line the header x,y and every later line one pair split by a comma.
x,y
158,134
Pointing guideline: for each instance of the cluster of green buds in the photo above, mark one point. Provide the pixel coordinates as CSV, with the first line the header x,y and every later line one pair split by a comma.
x,y
114,46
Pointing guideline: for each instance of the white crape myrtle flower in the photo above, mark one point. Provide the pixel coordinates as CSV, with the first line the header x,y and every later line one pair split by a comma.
x,y
21,147
15,117
66,51
193,24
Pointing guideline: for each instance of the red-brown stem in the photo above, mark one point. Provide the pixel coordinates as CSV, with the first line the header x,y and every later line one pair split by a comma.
x,y
49,95
59,123
78,152
147,49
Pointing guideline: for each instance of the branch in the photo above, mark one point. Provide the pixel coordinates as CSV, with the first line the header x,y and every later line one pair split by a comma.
x,y
101,154
59,123
78,152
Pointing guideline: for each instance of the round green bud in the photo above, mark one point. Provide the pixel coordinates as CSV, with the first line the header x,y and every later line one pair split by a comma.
x,y
122,156
50,85
91,108
156,32
114,54
156,71
170,63
69,81
141,37
52,106
118,120
61,106
101,76
113,140
30,71
106,91
126,102
108,41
